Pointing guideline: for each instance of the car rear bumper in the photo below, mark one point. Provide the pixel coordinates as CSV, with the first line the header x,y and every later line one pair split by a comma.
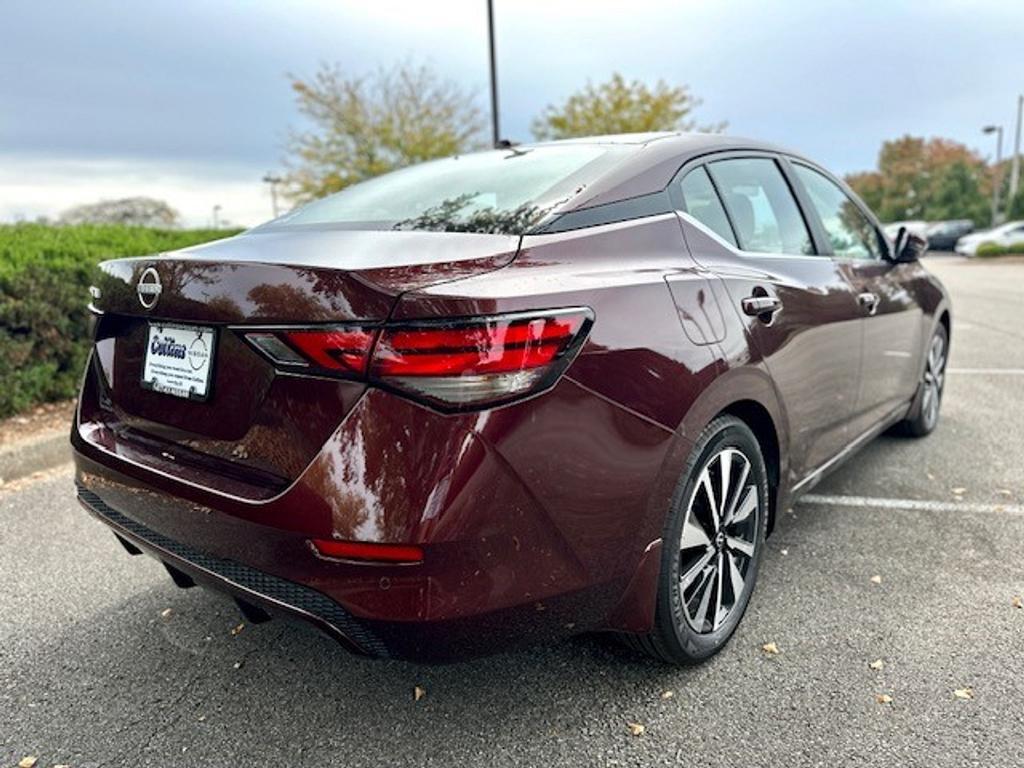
x,y
499,569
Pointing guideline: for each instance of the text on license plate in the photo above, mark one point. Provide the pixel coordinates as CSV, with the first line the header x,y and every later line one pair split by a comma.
x,y
179,360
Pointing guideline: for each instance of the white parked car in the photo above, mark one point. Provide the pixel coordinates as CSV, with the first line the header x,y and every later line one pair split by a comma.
x,y
1010,233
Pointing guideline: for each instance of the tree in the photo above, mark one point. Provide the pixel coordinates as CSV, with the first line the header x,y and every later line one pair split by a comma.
x,y
870,185
129,211
365,126
930,179
620,107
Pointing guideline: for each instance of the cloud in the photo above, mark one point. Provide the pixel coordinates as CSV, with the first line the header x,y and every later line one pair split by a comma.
x,y
33,186
189,100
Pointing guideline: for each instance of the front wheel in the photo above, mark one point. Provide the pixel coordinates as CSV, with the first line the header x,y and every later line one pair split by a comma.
x,y
925,414
711,546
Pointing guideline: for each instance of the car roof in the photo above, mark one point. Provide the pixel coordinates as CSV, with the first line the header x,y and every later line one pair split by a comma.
x,y
655,159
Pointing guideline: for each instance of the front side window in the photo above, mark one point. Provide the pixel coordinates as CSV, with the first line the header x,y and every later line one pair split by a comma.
x,y
763,212
850,232
701,201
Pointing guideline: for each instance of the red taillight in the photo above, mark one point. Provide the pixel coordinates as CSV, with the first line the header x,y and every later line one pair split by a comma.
x,y
345,350
491,346
362,550
452,364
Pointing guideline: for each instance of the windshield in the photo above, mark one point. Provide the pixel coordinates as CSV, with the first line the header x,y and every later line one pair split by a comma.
x,y
504,191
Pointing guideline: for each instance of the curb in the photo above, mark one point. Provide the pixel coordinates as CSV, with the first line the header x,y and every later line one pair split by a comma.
x,y
35,454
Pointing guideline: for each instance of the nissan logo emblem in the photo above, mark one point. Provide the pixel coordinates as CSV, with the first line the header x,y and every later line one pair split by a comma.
x,y
149,288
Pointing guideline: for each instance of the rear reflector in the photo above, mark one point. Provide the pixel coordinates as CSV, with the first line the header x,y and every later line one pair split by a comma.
x,y
361,550
452,364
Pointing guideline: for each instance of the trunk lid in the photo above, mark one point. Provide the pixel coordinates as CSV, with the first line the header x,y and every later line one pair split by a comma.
x,y
257,426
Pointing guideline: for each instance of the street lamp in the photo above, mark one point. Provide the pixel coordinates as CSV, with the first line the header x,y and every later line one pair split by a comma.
x,y
1015,166
273,181
998,179
496,133
216,217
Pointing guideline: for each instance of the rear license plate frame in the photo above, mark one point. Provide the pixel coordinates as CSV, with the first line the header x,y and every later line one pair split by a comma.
x,y
206,334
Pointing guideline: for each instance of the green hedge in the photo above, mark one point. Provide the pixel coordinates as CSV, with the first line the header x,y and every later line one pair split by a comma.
x,y
45,274
991,249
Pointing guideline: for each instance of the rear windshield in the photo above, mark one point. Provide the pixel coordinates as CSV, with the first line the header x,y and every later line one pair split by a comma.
x,y
505,191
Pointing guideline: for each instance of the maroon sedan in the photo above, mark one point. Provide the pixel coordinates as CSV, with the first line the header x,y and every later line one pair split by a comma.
x,y
508,396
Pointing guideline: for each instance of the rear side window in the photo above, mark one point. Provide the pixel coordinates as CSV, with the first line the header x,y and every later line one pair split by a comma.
x,y
761,206
850,232
701,201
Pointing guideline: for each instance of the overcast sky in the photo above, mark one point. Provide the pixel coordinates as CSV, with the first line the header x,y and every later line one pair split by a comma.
x,y
188,100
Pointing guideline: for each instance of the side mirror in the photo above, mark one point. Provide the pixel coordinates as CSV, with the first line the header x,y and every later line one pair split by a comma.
x,y
908,247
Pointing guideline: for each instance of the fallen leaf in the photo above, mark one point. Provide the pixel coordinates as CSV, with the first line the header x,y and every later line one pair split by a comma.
x,y
1017,602
876,579
964,693
930,476
636,729
238,664
785,552
877,664
667,694
770,648
418,693
28,762
62,765
959,491
883,698
238,629
1005,491
165,613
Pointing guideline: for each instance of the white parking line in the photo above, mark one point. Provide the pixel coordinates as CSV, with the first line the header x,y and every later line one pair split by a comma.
x,y
987,371
913,505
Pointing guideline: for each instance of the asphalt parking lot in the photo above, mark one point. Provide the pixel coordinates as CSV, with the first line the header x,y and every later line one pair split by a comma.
x,y
911,555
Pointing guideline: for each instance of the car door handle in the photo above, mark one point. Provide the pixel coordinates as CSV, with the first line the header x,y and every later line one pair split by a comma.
x,y
761,305
869,301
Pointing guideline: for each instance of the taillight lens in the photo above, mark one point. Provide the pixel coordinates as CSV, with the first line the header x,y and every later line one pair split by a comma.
x,y
344,350
452,364
331,350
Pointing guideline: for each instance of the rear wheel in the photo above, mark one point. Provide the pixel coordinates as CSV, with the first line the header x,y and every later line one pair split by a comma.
x,y
925,416
711,546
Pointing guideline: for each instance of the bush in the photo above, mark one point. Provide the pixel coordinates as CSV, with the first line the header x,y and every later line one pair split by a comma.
x,y
991,249
45,274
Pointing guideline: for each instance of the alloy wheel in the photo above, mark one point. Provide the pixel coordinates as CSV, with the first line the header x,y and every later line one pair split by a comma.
x,y
718,540
934,378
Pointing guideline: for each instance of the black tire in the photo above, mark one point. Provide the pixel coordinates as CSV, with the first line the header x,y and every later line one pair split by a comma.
x,y
680,635
924,413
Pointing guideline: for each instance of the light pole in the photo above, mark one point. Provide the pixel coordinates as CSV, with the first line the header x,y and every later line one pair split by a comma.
x,y
495,131
998,176
1015,167
216,217
273,181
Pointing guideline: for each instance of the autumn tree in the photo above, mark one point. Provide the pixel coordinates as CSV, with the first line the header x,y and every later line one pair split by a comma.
x,y
617,106
931,179
365,126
